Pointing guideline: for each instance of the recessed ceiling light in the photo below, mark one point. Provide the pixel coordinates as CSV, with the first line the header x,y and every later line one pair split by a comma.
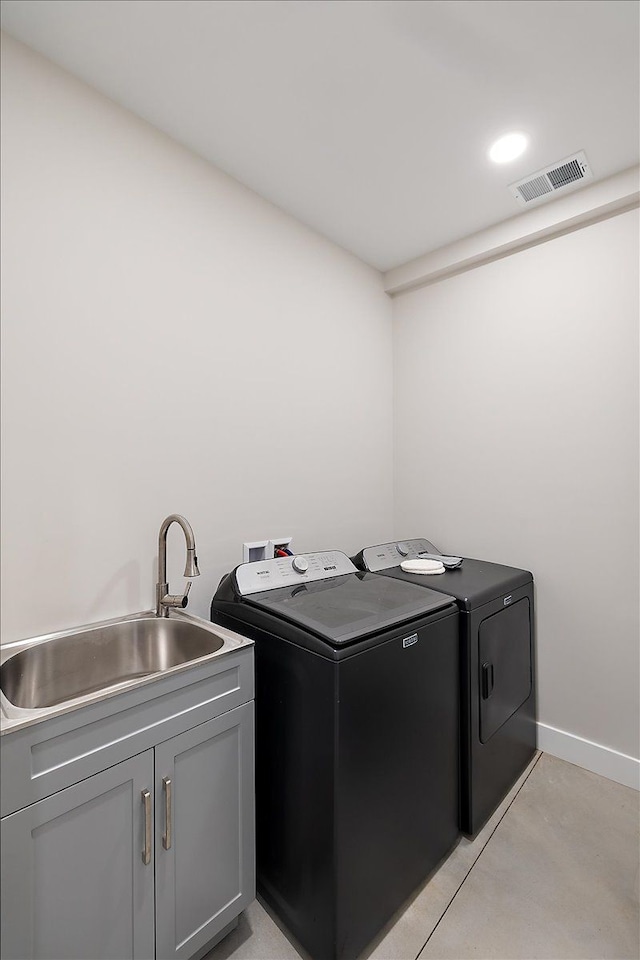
x,y
508,147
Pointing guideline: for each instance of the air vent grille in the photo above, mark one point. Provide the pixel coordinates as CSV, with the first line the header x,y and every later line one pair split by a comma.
x,y
567,173
546,182
535,188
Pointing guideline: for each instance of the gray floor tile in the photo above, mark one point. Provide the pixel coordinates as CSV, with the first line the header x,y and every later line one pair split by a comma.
x,y
558,879
257,937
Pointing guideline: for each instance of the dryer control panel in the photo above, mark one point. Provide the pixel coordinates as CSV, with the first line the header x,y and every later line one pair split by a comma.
x,y
387,555
289,571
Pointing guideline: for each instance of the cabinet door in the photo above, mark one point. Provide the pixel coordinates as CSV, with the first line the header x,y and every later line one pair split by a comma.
x,y
207,874
74,884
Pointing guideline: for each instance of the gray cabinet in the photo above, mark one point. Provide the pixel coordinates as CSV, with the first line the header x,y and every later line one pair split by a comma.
x,y
74,884
205,818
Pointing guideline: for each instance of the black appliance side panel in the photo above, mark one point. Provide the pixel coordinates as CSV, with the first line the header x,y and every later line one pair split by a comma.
x,y
397,775
490,769
295,790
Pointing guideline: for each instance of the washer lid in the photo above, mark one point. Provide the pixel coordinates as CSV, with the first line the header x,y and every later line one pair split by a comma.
x,y
349,607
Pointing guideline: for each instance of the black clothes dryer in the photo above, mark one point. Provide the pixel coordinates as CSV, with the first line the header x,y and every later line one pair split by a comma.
x,y
497,675
356,741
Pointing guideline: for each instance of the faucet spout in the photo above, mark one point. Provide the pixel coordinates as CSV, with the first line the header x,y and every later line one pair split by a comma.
x,y
163,599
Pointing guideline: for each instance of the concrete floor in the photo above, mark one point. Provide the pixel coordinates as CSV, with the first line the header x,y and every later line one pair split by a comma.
x,y
552,876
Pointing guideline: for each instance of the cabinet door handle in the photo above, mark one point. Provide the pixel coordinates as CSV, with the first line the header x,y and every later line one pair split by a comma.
x,y
146,853
166,837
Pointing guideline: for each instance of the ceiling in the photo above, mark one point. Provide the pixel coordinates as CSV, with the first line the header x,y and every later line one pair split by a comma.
x,y
368,120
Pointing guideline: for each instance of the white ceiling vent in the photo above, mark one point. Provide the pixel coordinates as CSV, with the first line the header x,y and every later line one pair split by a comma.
x,y
559,176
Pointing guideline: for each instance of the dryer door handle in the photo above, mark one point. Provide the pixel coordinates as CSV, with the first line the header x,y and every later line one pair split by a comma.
x,y
487,680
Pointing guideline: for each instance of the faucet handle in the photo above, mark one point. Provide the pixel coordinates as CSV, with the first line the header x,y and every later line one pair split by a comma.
x,y
183,600
175,600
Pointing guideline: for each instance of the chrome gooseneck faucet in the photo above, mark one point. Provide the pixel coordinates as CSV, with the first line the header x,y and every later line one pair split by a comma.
x,y
165,600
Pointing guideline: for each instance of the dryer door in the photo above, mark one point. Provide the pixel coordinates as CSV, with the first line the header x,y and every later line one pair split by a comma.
x,y
504,665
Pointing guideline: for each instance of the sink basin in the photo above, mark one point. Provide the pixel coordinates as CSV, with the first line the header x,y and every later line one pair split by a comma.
x,y
79,664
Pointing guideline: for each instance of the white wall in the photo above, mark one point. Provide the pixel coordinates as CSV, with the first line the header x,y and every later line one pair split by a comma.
x,y
516,440
172,343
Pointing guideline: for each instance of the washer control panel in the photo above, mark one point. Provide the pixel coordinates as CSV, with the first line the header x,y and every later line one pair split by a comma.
x,y
289,571
387,555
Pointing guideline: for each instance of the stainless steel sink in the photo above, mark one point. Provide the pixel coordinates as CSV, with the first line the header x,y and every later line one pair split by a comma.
x,y
91,660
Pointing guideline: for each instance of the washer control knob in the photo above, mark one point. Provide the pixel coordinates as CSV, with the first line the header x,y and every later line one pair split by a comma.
x,y
402,549
300,564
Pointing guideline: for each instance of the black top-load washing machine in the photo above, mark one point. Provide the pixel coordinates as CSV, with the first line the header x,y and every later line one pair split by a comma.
x,y
497,693
356,740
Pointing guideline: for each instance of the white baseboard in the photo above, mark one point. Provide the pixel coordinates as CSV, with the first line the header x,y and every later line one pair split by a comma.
x,y
592,756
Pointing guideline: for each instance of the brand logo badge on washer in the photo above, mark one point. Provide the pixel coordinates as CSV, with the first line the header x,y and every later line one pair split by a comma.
x,y
409,641
507,601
